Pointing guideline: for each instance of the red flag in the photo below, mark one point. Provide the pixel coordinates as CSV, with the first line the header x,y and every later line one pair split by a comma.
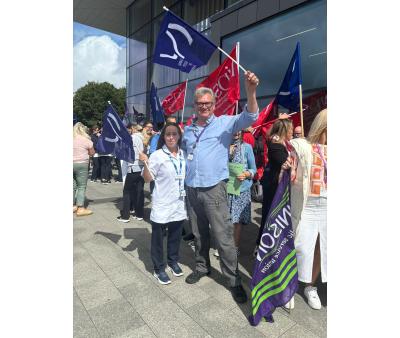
x,y
224,81
266,115
174,101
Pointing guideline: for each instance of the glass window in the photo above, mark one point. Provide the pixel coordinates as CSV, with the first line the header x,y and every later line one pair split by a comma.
x,y
267,48
198,10
164,76
139,45
139,14
137,78
230,2
139,102
158,6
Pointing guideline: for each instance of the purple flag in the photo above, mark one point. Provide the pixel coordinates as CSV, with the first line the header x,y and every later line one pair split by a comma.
x,y
274,280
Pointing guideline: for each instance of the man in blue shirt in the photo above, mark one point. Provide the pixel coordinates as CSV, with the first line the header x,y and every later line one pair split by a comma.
x,y
206,143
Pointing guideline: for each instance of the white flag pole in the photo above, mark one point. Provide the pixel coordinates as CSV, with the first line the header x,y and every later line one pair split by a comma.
x,y
237,57
301,109
184,101
220,49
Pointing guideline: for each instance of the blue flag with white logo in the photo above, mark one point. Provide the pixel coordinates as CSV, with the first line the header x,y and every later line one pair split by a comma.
x,y
288,94
114,138
157,111
180,46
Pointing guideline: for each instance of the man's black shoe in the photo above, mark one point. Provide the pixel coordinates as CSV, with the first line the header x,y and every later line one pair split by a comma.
x,y
195,276
188,237
238,294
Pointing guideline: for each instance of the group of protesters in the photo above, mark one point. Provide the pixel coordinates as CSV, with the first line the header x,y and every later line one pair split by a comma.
x,y
188,174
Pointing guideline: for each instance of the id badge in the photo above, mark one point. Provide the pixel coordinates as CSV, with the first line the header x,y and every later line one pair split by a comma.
x,y
182,193
190,157
179,177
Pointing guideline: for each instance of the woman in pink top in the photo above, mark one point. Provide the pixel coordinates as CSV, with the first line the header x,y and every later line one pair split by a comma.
x,y
83,148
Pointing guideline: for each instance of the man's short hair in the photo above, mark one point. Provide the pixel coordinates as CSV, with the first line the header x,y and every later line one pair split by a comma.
x,y
203,91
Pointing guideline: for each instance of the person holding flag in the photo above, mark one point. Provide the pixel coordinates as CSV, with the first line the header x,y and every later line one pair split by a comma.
x,y
206,142
308,207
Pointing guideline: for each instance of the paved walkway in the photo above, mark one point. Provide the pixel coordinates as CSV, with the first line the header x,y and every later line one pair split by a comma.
x,y
115,294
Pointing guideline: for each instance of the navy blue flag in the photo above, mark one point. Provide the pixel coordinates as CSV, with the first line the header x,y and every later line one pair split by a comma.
x,y
288,94
157,110
180,46
114,138
274,281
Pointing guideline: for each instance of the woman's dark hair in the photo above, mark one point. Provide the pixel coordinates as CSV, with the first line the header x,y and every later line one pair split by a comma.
x,y
161,140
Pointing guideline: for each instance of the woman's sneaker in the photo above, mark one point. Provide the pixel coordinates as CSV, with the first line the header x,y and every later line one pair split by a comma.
x,y
83,212
175,269
312,296
162,277
120,219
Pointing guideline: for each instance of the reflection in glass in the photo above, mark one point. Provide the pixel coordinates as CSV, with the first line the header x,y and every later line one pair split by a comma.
x,y
139,45
275,41
139,102
137,78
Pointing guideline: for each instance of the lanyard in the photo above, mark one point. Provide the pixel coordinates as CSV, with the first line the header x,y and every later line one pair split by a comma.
x,y
178,174
198,137
173,162
325,163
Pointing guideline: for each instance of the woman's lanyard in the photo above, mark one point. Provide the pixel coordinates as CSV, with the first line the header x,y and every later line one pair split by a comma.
x,y
179,174
325,163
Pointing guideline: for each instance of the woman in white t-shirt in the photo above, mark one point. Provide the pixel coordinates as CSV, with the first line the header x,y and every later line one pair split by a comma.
x,y
166,167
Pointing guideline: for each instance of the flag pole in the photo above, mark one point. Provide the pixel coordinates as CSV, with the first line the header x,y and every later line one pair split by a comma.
x,y
301,109
237,57
184,101
220,49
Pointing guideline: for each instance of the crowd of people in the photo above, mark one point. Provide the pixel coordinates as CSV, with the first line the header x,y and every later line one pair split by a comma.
x,y
189,169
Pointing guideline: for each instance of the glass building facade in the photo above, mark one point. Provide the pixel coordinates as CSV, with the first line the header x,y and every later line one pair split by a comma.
x,y
266,47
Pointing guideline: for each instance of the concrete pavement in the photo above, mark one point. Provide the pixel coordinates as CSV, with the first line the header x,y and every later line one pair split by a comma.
x,y
116,295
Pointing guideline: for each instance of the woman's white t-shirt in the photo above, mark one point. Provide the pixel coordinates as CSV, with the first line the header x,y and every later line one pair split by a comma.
x,y
168,204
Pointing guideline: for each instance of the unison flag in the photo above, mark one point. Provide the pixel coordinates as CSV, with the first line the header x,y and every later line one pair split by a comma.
x,y
180,46
274,280
224,81
115,139
174,101
157,111
288,94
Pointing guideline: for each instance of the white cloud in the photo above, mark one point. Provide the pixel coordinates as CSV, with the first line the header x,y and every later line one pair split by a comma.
x,y
100,59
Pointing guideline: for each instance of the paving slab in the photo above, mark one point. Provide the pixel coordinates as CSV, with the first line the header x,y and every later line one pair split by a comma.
x,y
115,318
83,325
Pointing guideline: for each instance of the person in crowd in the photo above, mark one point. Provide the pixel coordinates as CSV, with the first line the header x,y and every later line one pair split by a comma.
x,y
240,205
309,206
147,133
297,132
166,167
154,141
118,179
206,142
280,134
105,160
133,194
96,164
83,148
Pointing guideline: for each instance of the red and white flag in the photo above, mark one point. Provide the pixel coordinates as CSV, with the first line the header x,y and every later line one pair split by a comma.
x,y
224,81
174,101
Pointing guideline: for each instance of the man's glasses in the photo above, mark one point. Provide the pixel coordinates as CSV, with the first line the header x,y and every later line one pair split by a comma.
x,y
204,104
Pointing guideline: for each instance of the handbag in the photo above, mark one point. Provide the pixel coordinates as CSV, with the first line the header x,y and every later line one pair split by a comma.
x,y
257,191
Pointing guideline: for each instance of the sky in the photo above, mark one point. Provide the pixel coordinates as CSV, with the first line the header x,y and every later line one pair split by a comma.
x,y
98,56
